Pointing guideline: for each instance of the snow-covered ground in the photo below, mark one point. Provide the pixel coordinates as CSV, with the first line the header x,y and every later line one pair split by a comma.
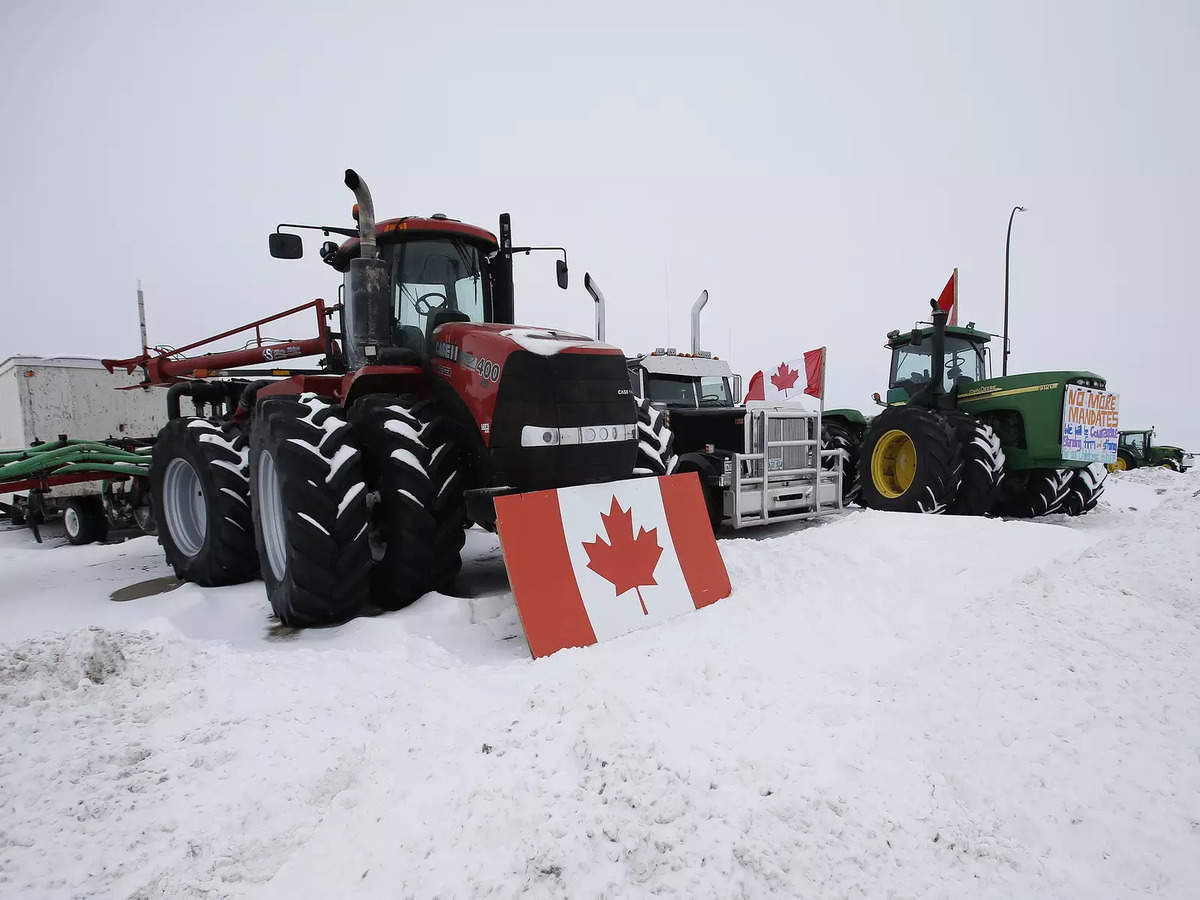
x,y
887,705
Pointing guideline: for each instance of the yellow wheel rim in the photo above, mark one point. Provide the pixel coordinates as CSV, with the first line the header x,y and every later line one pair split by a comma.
x,y
1119,465
894,463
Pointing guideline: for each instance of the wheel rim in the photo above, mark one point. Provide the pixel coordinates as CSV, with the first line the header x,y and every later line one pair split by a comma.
x,y
71,521
185,507
270,505
894,463
1120,465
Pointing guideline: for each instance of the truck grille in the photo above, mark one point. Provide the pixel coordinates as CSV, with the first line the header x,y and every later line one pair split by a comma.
x,y
781,458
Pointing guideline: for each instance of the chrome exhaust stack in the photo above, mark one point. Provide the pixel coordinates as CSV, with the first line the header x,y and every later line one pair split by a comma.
x,y
590,285
696,307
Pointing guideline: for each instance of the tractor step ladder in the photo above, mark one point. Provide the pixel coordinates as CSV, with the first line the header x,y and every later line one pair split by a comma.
x,y
780,478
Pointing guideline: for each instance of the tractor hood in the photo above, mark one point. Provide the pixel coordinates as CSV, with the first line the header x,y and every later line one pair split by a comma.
x,y
1010,385
501,340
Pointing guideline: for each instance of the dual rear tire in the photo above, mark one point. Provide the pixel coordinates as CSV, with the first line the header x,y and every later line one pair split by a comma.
x,y
330,528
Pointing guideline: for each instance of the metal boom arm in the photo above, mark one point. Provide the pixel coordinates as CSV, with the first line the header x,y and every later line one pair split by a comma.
x,y
167,366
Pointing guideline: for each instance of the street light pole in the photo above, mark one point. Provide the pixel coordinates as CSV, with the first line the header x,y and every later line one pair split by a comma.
x,y
1007,241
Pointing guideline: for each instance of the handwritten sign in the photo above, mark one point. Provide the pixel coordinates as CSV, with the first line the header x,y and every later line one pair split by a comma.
x,y
1089,425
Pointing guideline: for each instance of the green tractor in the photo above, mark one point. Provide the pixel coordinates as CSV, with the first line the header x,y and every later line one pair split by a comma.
x,y
967,444
1137,449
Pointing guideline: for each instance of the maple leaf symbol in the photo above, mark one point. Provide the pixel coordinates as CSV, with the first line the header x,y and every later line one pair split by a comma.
x,y
784,377
627,562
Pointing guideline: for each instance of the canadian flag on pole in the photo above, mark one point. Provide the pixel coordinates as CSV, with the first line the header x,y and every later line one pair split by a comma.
x,y
949,298
780,382
592,562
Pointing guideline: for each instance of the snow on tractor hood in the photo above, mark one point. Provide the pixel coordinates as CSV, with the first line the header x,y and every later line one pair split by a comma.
x,y
548,341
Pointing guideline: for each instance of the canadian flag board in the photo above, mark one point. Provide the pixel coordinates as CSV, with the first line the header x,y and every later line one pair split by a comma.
x,y
592,562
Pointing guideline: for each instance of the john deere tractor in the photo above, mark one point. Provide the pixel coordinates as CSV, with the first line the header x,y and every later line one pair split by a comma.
x,y
951,439
1137,449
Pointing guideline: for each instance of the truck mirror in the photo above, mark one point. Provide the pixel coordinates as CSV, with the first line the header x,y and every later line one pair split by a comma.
x,y
562,273
737,389
286,246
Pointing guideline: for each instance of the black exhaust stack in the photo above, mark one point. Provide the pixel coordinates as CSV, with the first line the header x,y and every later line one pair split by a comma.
x,y
937,359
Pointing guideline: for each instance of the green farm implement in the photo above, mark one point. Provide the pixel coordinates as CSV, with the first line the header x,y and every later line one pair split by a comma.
x,y
120,466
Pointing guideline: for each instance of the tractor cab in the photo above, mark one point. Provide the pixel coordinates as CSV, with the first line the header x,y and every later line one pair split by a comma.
x,y
966,360
1136,442
438,270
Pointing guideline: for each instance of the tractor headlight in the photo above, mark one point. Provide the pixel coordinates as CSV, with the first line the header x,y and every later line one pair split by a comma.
x,y
549,436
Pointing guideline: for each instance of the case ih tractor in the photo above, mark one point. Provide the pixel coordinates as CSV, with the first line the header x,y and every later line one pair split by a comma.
x,y
351,485
1137,449
964,443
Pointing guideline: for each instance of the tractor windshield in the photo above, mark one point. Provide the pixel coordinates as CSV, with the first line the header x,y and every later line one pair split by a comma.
x,y
1136,441
439,280
964,364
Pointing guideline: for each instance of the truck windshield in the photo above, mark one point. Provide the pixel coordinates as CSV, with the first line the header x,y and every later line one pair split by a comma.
x,y
433,275
684,390
964,363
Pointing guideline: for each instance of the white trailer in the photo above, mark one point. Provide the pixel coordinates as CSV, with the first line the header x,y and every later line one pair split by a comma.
x,y
45,398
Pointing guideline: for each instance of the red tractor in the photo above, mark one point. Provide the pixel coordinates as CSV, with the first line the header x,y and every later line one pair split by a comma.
x,y
350,486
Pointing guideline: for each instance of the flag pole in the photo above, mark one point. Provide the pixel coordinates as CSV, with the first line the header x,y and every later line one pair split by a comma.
x,y
954,308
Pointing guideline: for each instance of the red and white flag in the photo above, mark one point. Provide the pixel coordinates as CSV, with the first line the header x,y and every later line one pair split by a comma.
x,y
949,298
592,562
782,381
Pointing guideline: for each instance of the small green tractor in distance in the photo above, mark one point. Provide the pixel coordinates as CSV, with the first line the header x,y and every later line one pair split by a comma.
x,y
1137,449
968,444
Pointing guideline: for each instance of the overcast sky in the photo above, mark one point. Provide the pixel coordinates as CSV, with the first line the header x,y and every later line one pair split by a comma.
x,y
819,168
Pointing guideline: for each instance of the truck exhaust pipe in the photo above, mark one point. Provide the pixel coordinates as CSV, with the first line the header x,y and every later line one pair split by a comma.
x,y
590,285
366,214
696,308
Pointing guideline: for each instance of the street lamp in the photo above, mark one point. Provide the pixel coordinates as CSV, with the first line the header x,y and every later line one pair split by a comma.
x,y
1007,241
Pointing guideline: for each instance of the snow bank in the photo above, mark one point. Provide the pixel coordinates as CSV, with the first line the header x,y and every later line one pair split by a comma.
x,y
887,704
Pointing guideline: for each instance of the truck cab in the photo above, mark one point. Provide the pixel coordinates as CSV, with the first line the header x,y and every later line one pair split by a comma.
x,y
699,394
672,380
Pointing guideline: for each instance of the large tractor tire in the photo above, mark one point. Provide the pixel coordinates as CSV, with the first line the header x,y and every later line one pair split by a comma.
x,y
200,500
983,465
836,436
415,500
1037,492
1084,490
656,445
310,511
910,462
84,520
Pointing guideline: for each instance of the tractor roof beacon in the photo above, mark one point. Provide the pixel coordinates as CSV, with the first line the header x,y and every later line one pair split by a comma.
x,y
966,443
349,486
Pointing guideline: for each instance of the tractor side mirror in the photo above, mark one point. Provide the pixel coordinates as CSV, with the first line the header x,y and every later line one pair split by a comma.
x,y
286,246
562,273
